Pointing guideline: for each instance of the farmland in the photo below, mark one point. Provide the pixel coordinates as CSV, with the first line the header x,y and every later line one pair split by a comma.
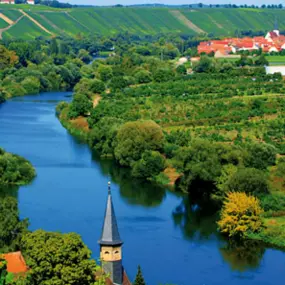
x,y
142,21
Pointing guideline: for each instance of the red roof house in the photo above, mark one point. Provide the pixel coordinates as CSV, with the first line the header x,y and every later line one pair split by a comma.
x,y
15,263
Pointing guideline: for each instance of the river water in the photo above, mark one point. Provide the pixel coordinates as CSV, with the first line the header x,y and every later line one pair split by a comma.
x,y
174,242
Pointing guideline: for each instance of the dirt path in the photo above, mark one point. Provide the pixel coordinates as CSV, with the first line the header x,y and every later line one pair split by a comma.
x,y
9,27
96,100
215,22
74,19
178,15
36,22
6,19
52,24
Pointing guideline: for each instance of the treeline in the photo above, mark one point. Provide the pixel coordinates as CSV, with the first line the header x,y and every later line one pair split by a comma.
x,y
45,65
269,6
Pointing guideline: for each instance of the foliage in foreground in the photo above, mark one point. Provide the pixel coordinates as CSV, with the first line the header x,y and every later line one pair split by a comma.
x,y
139,278
11,227
56,258
241,214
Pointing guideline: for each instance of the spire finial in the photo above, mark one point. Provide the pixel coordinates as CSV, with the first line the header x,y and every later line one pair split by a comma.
x,y
109,187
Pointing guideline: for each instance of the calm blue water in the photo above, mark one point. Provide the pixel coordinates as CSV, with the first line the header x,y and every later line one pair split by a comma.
x,y
172,241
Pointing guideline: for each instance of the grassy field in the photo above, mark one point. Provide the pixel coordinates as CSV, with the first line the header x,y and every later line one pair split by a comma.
x,y
3,24
25,29
12,14
276,60
108,21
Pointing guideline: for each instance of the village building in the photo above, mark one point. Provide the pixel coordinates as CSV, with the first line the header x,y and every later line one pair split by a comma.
x,y
111,247
272,42
15,263
31,2
5,2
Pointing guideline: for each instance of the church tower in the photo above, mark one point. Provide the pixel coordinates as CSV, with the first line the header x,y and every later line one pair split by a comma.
x,y
111,244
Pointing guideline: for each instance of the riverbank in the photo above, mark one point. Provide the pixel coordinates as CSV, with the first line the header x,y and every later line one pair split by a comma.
x,y
79,128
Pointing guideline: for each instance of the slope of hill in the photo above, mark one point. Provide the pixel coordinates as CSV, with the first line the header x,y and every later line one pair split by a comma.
x,y
143,21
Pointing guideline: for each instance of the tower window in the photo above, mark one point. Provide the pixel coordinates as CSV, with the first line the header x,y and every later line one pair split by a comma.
x,y
107,252
116,252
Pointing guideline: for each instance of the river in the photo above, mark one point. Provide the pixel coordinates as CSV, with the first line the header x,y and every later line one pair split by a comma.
x,y
174,242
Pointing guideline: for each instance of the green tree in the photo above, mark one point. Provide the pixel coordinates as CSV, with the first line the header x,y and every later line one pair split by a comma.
x,y
143,76
181,69
150,165
260,155
80,106
248,180
105,73
56,258
134,138
3,271
139,278
54,47
11,227
163,75
31,84
97,86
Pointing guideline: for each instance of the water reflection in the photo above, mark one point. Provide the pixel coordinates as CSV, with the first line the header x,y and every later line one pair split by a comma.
x,y
197,220
133,191
243,256
8,190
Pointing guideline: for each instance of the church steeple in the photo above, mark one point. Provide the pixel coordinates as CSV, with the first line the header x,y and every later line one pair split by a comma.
x,y
111,244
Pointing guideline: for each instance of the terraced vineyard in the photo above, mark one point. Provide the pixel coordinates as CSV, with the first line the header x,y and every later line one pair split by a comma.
x,y
108,21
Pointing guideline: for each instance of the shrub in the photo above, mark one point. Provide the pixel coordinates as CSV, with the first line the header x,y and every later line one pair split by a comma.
x,y
248,180
150,165
80,106
240,214
260,155
134,138
97,86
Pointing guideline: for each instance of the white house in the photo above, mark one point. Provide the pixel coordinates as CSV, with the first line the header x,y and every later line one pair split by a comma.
x,y
275,69
31,2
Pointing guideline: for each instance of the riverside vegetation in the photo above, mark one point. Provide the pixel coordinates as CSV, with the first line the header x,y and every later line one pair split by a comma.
x,y
215,132
211,133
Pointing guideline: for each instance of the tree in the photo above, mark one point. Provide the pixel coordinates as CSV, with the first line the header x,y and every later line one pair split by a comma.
x,y
241,214
56,258
31,84
248,180
54,47
11,227
97,86
139,278
105,72
181,69
143,76
150,165
7,58
163,75
260,155
134,138
80,106
3,271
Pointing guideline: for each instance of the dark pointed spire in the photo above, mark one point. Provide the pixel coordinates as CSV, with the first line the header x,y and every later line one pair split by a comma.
x,y
110,233
276,24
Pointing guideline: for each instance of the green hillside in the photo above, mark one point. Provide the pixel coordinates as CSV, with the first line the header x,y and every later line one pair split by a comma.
x,y
25,29
141,21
